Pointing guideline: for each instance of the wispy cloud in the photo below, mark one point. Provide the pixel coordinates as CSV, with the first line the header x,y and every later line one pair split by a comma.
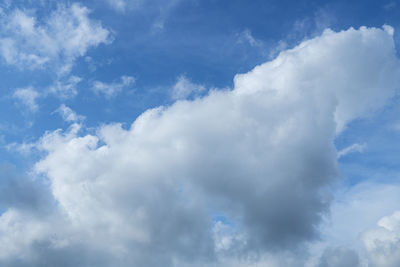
x,y
27,96
184,88
69,115
247,37
65,87
351,149
112,89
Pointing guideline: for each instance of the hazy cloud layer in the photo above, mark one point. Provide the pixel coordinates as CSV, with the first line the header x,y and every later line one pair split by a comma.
x,y
235,178
339,257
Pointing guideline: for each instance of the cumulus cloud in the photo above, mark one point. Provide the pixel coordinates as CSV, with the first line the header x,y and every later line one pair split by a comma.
x,y
112,89
27,96
383,242
260,154
184,88
56,41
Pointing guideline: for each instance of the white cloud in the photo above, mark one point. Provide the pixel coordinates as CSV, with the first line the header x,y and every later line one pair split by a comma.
x,y
184,88
364,203
27,96
383,242
351,149
112,89
65,87
261,154
23,148
69,115
55,42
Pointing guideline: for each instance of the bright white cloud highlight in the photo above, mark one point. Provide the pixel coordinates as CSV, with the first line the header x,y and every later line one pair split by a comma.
x,y
56,41
261,154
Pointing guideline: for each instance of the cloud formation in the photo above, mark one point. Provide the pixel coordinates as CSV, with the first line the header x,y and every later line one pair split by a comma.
x,y
234,174
339,257
383,242
184,88
27,96
351,149
112,89
69,115
29,43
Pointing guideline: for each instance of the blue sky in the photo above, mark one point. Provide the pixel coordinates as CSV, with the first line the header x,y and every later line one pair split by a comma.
x,y
140,120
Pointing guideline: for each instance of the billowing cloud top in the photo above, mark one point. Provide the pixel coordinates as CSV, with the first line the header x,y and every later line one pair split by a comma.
x,y
216,180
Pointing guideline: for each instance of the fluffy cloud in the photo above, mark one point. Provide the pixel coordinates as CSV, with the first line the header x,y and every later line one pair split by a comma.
x,y
383,242
29,42
112,89
238,174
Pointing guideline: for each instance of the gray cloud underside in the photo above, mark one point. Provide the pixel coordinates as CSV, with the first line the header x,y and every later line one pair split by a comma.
x,y
235,178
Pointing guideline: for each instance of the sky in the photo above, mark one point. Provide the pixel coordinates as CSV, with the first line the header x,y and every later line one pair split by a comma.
x,y
188,133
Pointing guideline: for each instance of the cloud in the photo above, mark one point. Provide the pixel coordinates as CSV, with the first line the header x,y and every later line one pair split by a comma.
x,y
246,37
157,10
23,148
22,192
65,87
260,156
112,89
339,257
118,5
184,88
383,242
52,42
365,202
69,115
27,96
351,149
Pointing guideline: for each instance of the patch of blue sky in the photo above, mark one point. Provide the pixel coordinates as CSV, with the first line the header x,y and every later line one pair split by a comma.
x,y
377,135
